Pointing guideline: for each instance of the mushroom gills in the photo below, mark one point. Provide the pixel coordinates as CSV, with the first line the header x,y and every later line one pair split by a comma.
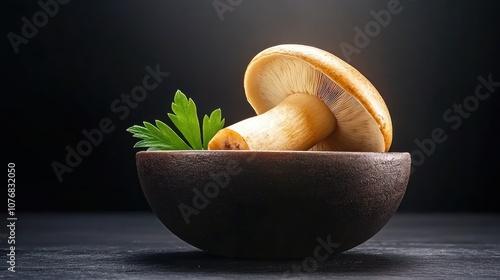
x,y
356,129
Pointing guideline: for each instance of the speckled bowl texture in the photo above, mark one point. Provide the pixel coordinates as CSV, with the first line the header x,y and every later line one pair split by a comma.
x,y
273,204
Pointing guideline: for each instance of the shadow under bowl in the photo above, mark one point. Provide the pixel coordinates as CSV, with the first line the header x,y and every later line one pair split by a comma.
x,y
273,204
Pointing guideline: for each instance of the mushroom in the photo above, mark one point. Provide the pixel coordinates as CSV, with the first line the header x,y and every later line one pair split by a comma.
x,y
308,99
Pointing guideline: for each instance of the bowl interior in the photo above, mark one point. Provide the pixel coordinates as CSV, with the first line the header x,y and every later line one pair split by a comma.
x,y
273,204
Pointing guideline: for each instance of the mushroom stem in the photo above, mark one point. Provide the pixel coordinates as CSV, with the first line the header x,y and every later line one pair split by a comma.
x,y
299,122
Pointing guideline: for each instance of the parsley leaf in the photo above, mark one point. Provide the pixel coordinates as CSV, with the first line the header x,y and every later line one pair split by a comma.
x,y
185,118
211,125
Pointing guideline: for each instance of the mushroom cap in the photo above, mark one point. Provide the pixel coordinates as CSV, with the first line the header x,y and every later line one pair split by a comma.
x,y
363,120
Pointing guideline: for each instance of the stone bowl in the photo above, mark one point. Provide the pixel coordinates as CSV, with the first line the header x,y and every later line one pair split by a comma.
x,y
273,204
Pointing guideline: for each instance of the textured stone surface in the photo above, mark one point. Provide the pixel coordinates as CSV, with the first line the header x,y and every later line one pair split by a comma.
x,y
137,246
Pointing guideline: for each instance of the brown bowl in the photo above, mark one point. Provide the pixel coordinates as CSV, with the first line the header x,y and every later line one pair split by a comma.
x,y
273,204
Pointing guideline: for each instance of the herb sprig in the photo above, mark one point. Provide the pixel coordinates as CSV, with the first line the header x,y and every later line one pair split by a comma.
x,y
185,119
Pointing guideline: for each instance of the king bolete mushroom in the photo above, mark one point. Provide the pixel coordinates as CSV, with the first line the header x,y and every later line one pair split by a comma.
x,y
308,99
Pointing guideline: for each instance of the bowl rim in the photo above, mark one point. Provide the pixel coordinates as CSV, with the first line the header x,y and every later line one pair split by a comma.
x,y
269,152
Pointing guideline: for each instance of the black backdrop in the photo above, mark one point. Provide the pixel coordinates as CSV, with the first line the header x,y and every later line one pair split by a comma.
x,y
63,69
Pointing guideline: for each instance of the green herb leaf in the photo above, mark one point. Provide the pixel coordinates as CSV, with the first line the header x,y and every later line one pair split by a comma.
x,y
211,125
157,138
185,118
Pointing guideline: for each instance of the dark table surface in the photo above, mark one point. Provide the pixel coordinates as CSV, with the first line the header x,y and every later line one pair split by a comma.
x,y
138,246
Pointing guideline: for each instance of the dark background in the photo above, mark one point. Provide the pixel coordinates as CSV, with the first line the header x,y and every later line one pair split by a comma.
x,y
66,77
